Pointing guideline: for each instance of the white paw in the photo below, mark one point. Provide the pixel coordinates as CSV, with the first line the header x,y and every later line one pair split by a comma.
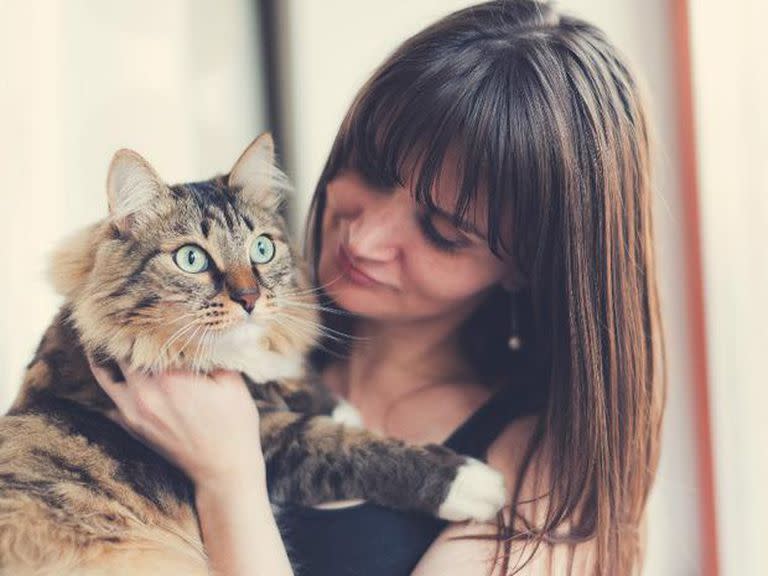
x,y
477,493
346,414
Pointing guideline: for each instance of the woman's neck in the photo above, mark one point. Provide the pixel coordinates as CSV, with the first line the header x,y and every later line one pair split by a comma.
x,y
393,360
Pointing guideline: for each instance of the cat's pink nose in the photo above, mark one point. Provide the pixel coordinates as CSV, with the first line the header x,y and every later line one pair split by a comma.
x,y
246,298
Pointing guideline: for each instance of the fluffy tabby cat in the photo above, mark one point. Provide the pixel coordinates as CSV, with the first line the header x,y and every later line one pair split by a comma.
x,y
195,276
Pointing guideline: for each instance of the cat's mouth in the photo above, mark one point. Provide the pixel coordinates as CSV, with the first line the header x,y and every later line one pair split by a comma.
x,y
225,335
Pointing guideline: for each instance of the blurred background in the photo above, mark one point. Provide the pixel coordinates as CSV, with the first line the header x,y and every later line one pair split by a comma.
x,y
189,83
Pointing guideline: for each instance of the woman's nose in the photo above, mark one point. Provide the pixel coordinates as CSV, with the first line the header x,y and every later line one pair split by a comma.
x,y
377,232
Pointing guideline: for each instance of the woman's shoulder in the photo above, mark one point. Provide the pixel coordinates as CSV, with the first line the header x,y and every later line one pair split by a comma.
x,y
507,454
507,451
472,549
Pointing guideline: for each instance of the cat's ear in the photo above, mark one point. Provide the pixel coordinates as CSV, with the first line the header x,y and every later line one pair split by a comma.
x,y
133,189
256,175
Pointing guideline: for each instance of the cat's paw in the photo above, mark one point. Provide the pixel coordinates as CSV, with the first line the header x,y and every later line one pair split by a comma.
x,y
346,414
477,493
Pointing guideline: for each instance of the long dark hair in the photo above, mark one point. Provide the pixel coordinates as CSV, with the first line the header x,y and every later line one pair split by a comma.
x,y
549,126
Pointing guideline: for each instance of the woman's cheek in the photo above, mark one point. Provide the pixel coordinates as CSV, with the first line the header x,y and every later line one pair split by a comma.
x,y
458,276
443,279
327,252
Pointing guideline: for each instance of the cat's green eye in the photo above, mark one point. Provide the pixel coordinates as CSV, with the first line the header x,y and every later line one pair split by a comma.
x,y
191,258
262,249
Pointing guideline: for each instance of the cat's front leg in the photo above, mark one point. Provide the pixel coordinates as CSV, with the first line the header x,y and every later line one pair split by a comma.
x,y
293,396
303,397
312,459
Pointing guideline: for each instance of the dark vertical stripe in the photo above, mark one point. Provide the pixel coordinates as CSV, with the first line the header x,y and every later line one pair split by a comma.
x,y
270,24
273,23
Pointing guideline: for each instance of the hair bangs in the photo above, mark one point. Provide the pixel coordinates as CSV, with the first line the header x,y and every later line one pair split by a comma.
x,y
407,124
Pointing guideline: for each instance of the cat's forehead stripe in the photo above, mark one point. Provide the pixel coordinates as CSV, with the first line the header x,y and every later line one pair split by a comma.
x,y
211,205
212,199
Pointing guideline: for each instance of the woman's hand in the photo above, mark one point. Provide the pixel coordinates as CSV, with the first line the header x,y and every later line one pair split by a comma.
x,y
207,425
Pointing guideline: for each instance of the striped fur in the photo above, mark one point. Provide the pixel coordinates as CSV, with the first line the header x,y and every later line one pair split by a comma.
x,y
78,495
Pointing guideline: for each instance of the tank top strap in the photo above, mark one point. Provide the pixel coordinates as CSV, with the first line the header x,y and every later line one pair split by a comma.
x,y
477,433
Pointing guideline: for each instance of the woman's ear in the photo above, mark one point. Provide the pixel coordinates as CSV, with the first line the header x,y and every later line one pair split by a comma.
x,y
514,277
513,281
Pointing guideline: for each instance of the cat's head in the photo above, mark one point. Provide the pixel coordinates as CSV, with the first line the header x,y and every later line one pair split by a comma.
x,y
196,276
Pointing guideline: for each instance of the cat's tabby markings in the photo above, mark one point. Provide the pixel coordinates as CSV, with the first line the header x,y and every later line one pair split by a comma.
x,y
195,276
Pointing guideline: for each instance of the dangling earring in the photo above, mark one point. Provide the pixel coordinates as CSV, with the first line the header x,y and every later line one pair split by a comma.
x,y
515,340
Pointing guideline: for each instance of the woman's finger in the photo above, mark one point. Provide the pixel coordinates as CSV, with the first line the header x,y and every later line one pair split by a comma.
x,y
229,377
131,428
135,377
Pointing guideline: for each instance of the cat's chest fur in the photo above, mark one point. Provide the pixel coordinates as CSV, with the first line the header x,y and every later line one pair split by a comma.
x,y
248,348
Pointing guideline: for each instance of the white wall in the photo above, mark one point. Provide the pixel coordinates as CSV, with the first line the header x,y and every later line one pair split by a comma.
x,y
731,91
177,80
332,47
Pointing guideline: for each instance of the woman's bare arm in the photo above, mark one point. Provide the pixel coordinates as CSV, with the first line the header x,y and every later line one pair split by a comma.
x,y
480,557
239,530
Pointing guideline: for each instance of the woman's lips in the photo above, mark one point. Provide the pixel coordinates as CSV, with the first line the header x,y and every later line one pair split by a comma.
x,y
352,272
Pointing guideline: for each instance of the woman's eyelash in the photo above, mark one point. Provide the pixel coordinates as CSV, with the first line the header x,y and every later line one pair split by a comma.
x,y
435,237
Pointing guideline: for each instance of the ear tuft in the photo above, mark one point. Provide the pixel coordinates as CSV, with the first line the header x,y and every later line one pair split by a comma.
x,y
133,188
256,175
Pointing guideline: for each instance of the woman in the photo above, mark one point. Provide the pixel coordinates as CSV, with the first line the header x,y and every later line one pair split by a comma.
x,y
484,215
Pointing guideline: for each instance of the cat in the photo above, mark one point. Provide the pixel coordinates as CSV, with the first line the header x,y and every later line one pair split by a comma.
x,y
195,276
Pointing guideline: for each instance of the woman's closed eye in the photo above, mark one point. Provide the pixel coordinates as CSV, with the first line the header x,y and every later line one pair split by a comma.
x,y
442,235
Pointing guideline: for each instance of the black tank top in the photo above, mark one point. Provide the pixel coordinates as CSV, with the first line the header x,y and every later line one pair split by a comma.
x,y
370,540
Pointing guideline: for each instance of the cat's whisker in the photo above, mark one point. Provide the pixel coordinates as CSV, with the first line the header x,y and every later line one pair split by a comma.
x,y
179,317
308,306
302,333
316,289
331,283
320,329
291,330
169,341
207,345
298,328
196,350
158,363
197,363
325,329
172,339
307,292
188,341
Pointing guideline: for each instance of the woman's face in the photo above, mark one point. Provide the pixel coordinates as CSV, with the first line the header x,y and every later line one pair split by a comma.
x,y
386,257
